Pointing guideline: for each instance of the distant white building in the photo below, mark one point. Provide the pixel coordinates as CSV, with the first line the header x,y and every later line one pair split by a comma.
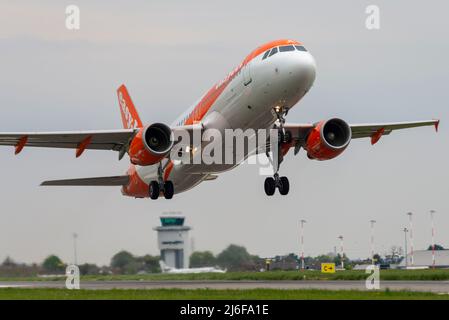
x,y
361,266
423,258
173,241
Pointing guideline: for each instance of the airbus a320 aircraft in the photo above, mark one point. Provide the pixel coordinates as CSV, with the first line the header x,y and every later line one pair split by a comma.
x,y
167,269
257,94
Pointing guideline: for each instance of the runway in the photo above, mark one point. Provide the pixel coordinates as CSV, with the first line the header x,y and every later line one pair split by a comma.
x,y
424,286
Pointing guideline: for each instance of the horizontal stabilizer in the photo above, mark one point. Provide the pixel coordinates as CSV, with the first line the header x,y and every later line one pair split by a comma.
x,y
99,181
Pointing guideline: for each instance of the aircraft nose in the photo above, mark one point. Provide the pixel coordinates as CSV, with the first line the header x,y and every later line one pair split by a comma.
x,y
303,69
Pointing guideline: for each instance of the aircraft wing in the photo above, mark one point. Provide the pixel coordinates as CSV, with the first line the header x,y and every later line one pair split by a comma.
x,y
98,181
373,130
368,130
100,140
116,140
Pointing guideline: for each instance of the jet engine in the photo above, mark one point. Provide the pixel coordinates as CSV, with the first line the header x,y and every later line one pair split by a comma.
x,y
328,139
151,144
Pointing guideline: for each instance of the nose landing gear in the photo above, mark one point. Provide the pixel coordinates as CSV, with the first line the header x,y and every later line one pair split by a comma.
x,y
282,183
271,183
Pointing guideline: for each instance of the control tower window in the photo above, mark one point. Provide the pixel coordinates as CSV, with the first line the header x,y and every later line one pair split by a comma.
x,y
286,48
273,51
172,221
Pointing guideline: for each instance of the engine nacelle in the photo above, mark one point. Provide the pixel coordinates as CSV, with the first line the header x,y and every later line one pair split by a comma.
x,y
151,144
328,139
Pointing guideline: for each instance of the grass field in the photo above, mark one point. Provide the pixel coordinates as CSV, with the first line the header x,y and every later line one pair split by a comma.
x,y
208,294
429,274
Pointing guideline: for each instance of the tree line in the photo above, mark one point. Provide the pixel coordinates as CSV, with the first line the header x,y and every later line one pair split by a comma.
x,y
232,258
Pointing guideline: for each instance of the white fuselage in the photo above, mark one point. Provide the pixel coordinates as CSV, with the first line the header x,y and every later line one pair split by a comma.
x,y
195,270
279,80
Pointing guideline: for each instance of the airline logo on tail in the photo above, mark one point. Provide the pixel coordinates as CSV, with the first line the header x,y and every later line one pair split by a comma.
x,y
130,117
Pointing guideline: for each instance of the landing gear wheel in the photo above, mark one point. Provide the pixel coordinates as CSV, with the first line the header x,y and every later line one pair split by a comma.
x,y
270,186
154,190
284,186
169,190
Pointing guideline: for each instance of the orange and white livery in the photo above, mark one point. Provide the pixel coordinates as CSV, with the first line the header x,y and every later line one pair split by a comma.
x,y
256,95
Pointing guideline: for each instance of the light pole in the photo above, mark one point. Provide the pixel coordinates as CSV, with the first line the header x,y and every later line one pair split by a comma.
x,y
342,252
372,240
405,238
433,238
75,236
302,243
412,260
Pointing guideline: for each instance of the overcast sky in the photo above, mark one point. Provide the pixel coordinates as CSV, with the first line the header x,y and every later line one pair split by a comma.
x,y
169,54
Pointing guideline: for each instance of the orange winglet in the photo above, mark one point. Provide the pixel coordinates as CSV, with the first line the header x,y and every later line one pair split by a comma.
x,y
82,146
437,124
377,135
20,144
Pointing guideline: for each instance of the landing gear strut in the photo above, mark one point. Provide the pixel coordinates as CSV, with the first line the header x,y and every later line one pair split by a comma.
x,y
156,187
284,136
282,183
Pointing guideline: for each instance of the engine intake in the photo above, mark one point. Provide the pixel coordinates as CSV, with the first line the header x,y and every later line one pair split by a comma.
x,y
328,139
151,144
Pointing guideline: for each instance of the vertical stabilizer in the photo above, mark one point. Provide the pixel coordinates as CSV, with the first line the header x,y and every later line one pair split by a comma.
x,y
130,116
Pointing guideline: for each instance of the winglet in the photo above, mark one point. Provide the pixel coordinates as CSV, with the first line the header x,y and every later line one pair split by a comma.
x,y
437,124
20,144
377,135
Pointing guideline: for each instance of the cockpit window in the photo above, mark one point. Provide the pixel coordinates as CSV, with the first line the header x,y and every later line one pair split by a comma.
x,y
286,48
300,48
273,51
282,49
265,55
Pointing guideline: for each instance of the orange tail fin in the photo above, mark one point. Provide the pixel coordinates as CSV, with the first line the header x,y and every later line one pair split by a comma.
x,y
130,117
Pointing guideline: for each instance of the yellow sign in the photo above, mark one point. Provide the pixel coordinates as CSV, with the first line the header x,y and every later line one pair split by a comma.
x,y
328,267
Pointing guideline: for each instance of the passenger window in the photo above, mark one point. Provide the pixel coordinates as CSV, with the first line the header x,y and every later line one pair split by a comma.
x,y
273,51
300,48
265,55
286,48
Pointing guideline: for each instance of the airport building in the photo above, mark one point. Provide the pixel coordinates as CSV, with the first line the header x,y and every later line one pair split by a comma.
x,y
423,259
173,241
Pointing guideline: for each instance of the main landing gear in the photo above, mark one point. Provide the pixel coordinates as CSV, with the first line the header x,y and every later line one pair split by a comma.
x,y
282,183
156,187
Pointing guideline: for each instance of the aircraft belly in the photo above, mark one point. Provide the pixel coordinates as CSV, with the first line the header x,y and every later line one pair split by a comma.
x,y
182,180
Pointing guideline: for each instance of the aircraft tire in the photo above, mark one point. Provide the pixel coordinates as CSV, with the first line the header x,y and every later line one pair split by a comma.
x,y
284,186
269,186
154,190
169,190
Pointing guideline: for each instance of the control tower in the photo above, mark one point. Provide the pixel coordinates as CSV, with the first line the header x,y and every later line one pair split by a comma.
x,y
173,241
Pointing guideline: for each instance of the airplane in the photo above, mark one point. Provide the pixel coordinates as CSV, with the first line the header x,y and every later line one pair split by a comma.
x,y
257,94
167,269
